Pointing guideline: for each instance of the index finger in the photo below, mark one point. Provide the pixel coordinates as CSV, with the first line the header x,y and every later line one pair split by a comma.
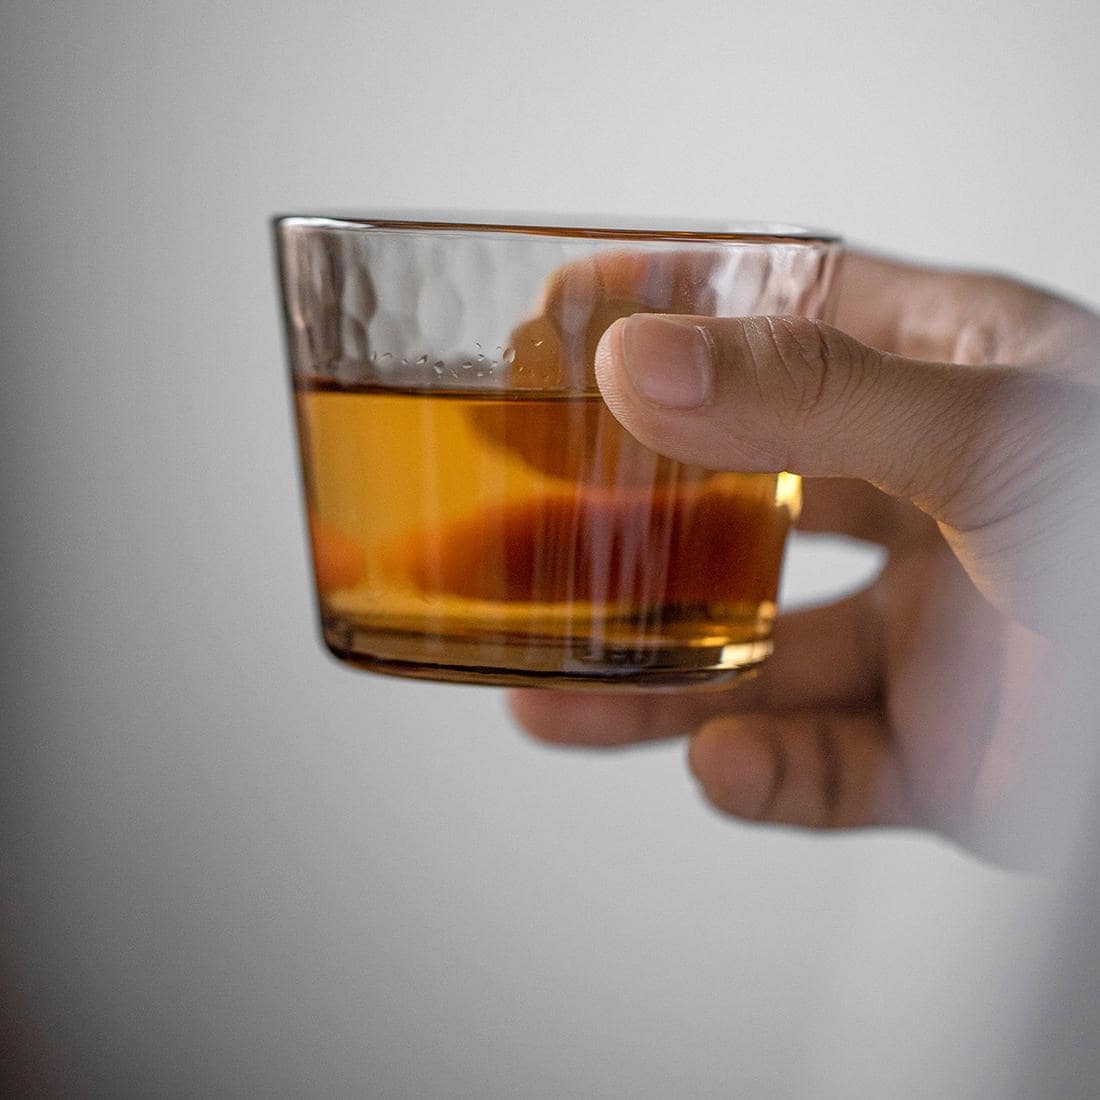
x,y
947,316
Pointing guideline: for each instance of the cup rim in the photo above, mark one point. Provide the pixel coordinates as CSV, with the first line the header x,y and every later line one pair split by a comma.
x,y
583,227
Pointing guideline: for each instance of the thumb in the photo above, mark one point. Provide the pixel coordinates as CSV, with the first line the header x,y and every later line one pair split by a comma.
x,y
766,393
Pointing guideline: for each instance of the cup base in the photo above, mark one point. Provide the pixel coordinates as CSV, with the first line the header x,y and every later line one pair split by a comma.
x,y
524,661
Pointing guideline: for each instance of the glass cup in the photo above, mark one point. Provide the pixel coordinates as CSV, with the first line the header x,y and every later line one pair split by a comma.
x,y
476,513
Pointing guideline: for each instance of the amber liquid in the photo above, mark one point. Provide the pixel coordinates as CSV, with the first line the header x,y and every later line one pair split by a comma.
x,y
506,538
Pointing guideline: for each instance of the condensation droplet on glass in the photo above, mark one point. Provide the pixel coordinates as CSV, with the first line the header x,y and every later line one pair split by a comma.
x,y
510,355
452,372
467,365
538,343
387,355
481,357
374,357
421,361
477,345
480,374
438,368
404,362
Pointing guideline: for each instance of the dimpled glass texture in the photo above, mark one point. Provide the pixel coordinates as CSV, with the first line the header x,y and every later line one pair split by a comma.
x,y
475,512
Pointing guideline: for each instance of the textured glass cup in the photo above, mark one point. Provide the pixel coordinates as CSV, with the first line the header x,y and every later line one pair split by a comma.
x,y
475,511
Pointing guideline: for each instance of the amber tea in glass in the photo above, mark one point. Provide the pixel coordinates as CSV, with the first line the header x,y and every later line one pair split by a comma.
x,y
475,511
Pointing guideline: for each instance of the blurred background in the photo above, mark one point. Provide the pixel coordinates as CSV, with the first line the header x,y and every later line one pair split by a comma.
x,y
231,867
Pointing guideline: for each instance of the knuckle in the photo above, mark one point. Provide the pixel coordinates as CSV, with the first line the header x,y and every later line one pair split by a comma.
x,y
819,371
1001,319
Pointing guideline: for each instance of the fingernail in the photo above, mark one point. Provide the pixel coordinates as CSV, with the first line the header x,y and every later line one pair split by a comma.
x,y
669,362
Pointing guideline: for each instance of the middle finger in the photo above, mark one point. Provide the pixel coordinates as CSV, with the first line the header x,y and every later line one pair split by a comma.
x,y
824,657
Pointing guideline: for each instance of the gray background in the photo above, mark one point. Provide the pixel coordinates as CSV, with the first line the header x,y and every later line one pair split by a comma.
x,y
232,867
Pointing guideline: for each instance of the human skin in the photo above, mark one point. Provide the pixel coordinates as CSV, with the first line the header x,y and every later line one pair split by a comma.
x,y
952,418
